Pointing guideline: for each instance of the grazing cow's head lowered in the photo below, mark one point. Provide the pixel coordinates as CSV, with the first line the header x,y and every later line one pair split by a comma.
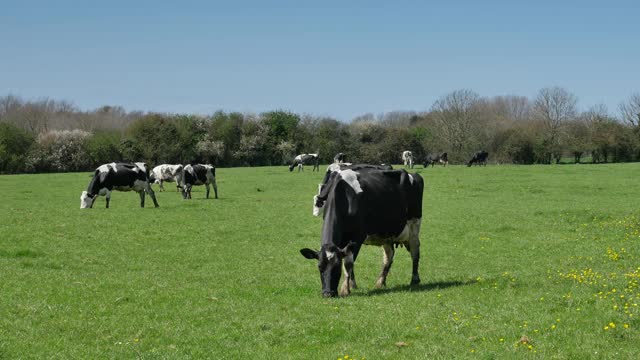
x,y
371,207
330,265
86,200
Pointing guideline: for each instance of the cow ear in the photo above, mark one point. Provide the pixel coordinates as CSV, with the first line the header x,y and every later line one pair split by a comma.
x,y
345,251
309,254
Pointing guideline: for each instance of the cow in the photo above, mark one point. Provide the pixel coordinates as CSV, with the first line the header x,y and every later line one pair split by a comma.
x,y
432,159
317,210
121,177
168,173
198,174
302,159
407,159
371,207
479,158
339,158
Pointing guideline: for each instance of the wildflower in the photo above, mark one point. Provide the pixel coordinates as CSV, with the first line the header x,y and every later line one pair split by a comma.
x,y
553,327
612,325
626,326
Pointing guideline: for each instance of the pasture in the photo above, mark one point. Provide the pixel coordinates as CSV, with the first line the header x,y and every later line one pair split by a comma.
x,y
529,261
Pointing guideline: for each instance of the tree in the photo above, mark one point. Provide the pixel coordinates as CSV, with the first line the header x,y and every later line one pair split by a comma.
x,y
554,107
455,116
15,145
630,110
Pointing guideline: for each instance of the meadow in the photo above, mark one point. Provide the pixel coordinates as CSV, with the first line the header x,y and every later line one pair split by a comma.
x,y
517,262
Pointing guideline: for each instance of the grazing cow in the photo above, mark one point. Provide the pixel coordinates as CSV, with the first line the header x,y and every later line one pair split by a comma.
x,y
372,207
198,174
339,158
302,159
407,159
479,158
121,177
317,210
432,159
168,173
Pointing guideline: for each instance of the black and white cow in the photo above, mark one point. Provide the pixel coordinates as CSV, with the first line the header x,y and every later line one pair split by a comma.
x,y
166,173
407,159
302,159
198,174
479,158
432,159
121,177
371,207
317,210
339,158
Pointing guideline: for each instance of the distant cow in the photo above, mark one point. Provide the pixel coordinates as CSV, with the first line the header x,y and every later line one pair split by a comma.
x,y
166,173
407,159
333,168
479,158
372,207
432,159
339,158
302,159
198,174
121,177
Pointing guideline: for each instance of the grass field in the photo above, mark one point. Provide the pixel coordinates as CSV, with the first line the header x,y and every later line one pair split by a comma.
x,y
530,261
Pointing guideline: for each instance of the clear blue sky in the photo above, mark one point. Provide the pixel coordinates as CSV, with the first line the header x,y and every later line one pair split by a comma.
x,y
336,58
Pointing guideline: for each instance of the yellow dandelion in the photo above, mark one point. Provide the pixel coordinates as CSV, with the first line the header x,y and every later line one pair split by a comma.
x,y
553,327
606,328
612,325
626,326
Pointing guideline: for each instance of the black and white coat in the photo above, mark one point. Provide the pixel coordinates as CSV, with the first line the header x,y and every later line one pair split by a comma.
x,y
198,174
432,159
407,159
372,207
121,177
167,173
479,158
302,159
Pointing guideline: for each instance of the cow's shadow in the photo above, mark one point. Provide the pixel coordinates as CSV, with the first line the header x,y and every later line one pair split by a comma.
x,y
414,288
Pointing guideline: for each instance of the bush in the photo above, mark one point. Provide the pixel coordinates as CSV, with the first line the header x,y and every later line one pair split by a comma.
x,y
60,150
15,145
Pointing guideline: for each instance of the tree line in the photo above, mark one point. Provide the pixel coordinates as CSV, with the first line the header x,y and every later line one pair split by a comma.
x,y
46,135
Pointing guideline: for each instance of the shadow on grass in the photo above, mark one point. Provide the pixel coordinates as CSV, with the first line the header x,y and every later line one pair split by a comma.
x,y
416,288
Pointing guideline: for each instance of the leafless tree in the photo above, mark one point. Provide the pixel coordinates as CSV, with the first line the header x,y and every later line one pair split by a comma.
x,y
554,107
630,110
454,115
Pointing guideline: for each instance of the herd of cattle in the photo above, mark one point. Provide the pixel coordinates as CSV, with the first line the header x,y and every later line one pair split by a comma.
x,y
136,177
361,204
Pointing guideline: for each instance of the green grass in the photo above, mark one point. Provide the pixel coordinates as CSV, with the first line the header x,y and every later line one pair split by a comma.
x,y
507,252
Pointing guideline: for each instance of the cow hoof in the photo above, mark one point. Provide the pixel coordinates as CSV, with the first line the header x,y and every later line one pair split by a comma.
x,y
344,289
414,282
381,284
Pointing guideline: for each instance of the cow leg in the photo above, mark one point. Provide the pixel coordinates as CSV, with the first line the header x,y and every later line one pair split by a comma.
x,y
347,269
206,185
414,248
108,197
387,260
161,186
153,195
141,198
215,187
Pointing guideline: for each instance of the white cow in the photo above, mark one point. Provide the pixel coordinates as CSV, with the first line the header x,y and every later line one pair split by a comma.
x,y
168,173
407,158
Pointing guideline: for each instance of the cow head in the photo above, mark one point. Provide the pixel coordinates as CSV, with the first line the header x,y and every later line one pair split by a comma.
x,y
292,166
86,200
330,259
